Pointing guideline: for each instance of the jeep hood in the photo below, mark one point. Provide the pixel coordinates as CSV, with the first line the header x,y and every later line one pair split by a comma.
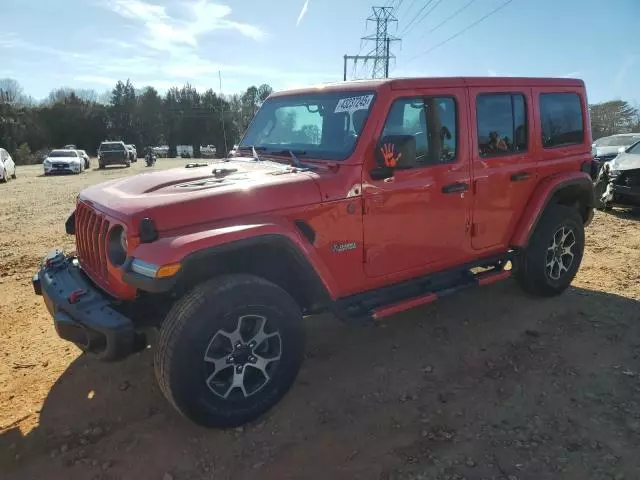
x,y
181,197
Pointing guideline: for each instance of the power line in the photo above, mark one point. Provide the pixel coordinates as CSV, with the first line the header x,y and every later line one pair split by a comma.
x,y
426,14
450,17
500,7
414,18
413,2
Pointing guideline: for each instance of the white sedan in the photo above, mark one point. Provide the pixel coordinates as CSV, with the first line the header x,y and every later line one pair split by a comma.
x,y
63,161
7,167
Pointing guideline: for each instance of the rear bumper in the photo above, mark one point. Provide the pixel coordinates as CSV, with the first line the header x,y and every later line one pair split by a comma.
x,y
83,314
109,160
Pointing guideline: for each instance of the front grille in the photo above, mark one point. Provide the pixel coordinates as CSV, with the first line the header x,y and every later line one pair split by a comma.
x,y
632,178
91,234
628,178
60,165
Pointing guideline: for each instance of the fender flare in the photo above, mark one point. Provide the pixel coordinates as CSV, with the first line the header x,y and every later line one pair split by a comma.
x,y
192,248
546,190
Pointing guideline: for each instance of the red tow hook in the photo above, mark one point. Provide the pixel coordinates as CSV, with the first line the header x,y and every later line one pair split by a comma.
x,y
75,296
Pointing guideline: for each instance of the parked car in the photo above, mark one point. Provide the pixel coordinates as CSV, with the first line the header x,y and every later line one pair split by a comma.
x,y
606,148
63,161
85,158
618,181
113,153
133,154
424,187
7,166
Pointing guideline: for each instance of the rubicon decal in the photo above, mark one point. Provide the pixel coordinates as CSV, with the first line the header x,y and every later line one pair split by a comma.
x,y
340,247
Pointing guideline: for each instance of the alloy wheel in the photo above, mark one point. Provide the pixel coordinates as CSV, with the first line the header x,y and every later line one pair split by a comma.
x,y
242,362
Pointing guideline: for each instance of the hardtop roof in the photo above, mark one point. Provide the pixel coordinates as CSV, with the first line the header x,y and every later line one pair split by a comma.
x,y
427,82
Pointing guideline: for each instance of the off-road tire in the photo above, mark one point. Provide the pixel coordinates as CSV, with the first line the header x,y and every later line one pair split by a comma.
x,y
532,269
189,330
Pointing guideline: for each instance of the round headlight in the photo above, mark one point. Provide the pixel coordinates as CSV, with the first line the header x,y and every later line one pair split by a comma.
x,y
117,245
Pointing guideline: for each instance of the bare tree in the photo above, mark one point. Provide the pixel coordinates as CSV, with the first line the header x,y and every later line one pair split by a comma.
x,y
615,116
10,91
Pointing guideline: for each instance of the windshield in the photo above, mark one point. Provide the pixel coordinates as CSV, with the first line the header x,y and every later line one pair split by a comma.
x,y
319,125
63,153
112,146
621,141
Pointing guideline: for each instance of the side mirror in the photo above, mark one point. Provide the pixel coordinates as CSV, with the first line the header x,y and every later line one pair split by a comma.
x,y
622,149
394,152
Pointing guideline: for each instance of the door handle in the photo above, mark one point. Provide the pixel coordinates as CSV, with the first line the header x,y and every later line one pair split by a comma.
x,y
520,176
455,187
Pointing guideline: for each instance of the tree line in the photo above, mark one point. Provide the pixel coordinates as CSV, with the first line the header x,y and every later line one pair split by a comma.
x,y
182,116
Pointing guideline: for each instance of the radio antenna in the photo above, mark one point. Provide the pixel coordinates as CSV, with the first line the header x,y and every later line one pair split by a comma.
x,y
224,129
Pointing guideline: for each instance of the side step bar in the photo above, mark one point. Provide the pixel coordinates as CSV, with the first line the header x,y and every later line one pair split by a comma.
x,y
483,278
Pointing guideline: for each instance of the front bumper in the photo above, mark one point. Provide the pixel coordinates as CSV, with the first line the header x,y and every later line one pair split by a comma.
x,y
83,314
626,195
49,169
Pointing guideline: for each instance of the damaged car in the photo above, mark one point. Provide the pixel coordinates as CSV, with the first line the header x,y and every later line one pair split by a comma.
x,y
618,180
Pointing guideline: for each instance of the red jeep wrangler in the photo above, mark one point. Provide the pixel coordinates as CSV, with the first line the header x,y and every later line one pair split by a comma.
x,y
361,198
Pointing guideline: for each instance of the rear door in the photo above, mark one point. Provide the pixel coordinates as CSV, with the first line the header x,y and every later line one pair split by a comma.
x,y
504,166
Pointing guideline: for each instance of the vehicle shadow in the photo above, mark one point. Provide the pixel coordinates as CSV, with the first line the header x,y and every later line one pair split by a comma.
x,y
110,167
92,401
625,213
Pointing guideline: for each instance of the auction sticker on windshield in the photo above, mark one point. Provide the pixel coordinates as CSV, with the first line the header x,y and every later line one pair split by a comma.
x,y
352,104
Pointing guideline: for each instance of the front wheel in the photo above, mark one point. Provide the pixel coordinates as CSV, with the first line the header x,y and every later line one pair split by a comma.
x,y
548,264
229,350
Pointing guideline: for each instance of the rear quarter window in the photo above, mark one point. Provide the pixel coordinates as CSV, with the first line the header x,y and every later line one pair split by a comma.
x,y
561,119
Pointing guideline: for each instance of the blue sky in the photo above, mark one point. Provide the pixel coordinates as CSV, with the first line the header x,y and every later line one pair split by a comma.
x,y
45,44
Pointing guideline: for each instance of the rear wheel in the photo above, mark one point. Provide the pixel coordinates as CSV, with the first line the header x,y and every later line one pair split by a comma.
x,y
551,260
229,350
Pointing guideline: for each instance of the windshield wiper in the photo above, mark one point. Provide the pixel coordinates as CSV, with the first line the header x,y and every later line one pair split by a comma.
x,y
292,153
254,150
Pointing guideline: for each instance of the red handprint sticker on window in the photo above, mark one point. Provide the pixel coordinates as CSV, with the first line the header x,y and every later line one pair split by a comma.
x,y
388,151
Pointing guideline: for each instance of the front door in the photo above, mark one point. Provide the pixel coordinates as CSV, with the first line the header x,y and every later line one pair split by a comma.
x,y
419,212
504,169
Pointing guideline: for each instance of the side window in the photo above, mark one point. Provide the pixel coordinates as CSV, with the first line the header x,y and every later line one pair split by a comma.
x,y
561,118
502,124
431,121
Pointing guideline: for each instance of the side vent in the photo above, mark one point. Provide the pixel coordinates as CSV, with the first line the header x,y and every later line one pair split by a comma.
x,y
306,230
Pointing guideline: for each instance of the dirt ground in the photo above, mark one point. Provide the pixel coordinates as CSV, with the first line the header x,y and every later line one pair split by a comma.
x,y
489,384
